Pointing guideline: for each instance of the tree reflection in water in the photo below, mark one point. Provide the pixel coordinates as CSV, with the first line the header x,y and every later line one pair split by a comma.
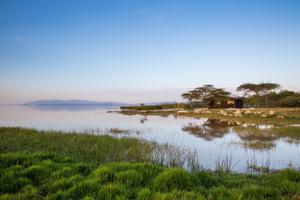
x,y
253,136
210,129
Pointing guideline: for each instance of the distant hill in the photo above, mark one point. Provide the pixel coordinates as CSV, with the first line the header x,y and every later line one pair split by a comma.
x,y
73,102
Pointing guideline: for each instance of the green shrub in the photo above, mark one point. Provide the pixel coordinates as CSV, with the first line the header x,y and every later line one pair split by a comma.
x,y
10,159
59,184
88,198
59,195
289,188
83,168
7,197
145,194
173,178
148,171
37,173
291,175
104,174
12,183
130,178
205,179
28,192
255,192
222,193
120,166
65,171
86,187
178,195
112,191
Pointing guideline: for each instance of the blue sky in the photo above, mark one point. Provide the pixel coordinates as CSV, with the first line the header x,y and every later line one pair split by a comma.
x,y
140,51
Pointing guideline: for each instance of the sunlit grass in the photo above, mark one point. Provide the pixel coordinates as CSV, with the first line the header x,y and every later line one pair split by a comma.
x,y
52,176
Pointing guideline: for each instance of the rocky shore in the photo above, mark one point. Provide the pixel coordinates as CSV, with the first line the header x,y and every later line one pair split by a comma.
x,y
230,112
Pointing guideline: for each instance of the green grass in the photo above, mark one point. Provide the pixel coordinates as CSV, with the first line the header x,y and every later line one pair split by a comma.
x,y
53,165
43,175
83,147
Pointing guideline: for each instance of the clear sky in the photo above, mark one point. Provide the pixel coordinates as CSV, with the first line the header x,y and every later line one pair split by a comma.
x,y
142,51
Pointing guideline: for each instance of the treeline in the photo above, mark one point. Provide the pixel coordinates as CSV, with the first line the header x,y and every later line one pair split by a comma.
x,y
269,95
256,95
284,98
156,107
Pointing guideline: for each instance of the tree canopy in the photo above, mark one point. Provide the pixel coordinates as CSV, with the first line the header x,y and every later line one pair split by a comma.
x,y
205,94
258,90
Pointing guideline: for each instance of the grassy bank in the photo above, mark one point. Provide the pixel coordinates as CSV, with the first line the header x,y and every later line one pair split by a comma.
x,y
83,147
283,116
97,149
53,165
53,176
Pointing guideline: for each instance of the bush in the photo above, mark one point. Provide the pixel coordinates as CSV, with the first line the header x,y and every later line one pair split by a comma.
x,y
222,193
130,178
173,178
11,182
10,159
291,175
86,187
148,171
65,171
205,179
83,168
28,192
37,173
145,194
178,195
59,195
104,174
60,184
112,191
289,188
7,197
254,192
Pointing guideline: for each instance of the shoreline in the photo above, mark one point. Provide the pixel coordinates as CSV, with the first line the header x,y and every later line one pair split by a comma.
x,y
282,116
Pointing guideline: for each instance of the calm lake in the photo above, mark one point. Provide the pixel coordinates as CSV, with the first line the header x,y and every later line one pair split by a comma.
x,y
210,139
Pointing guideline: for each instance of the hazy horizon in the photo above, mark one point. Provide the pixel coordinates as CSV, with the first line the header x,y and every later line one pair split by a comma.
x,y
144,51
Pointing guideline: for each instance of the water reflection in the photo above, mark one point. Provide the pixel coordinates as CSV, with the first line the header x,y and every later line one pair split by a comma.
x,y
210,129
143,120
252,136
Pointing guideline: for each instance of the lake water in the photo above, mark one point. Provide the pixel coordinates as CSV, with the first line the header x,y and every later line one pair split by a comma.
x,y
210,139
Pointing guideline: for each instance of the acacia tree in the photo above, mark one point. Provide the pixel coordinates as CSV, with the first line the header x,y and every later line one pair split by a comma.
x,y
258,90
206,94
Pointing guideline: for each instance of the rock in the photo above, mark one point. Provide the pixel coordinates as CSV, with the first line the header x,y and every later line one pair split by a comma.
x,y
263,116
248,112
182,111
223,112
238,123
272,113
257,113
198,110
237,113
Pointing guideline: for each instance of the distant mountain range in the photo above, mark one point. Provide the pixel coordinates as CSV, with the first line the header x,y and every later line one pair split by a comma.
x,y
73,102
77,102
